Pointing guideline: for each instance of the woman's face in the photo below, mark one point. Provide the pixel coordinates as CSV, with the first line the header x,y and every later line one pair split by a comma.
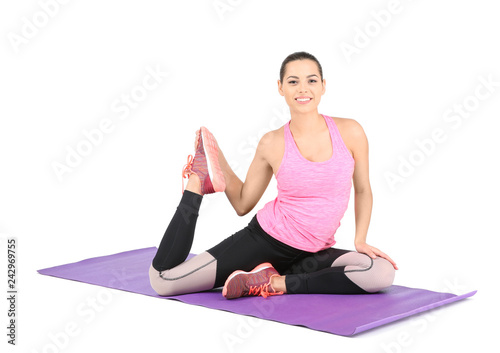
x,y
302,79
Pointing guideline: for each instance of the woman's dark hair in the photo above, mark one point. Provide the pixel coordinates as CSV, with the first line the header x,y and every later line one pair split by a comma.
x,y
299,55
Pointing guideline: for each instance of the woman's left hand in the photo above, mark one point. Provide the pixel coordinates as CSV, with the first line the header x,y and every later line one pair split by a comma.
x,y
373,252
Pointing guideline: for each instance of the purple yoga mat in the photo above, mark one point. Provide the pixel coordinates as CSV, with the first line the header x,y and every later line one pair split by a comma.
x,y
343,315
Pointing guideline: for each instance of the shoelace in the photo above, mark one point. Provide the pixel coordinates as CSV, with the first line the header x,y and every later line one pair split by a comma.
x,y
262,290
186,170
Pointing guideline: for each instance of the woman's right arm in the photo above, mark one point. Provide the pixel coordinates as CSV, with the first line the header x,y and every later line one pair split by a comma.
x,y
243,196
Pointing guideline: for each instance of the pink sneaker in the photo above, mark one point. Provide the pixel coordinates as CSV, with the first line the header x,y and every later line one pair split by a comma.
x,y
255,282
207,169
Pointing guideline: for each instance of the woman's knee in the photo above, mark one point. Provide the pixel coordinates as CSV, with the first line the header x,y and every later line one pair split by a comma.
x,y
194,275
382,273
158,286
163,285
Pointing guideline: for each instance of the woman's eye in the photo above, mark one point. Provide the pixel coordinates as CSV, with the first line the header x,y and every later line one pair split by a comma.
x,y
292,82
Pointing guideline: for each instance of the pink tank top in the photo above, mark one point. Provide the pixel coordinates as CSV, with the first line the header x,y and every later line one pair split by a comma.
x,y
312,196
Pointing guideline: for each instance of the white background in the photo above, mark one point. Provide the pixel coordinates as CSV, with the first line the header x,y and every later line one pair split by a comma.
x,y
64,76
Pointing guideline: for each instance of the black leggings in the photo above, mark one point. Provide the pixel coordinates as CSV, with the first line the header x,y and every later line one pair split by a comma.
x,y
329,271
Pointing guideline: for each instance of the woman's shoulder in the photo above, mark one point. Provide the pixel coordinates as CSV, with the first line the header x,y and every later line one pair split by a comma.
x,y
345,122
348,126
273,136
272,144
352,133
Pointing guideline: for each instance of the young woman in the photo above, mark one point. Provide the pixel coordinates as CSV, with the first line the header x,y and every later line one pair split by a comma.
x,y
288,245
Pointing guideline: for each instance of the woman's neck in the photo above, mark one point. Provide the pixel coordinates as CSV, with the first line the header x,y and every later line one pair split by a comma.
x,y
307,123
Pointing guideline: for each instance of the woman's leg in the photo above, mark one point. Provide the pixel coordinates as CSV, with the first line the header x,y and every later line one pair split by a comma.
x,y
243,250
194,275
250,247
336,271
169,273
178,238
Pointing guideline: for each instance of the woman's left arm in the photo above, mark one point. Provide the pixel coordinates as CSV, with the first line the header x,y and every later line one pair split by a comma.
x,y
363,198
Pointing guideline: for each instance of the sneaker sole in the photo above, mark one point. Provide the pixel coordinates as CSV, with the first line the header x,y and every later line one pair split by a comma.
x,y
212,152
239,272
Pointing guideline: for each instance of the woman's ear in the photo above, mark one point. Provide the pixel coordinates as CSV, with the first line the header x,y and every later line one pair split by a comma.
x,y
280,88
